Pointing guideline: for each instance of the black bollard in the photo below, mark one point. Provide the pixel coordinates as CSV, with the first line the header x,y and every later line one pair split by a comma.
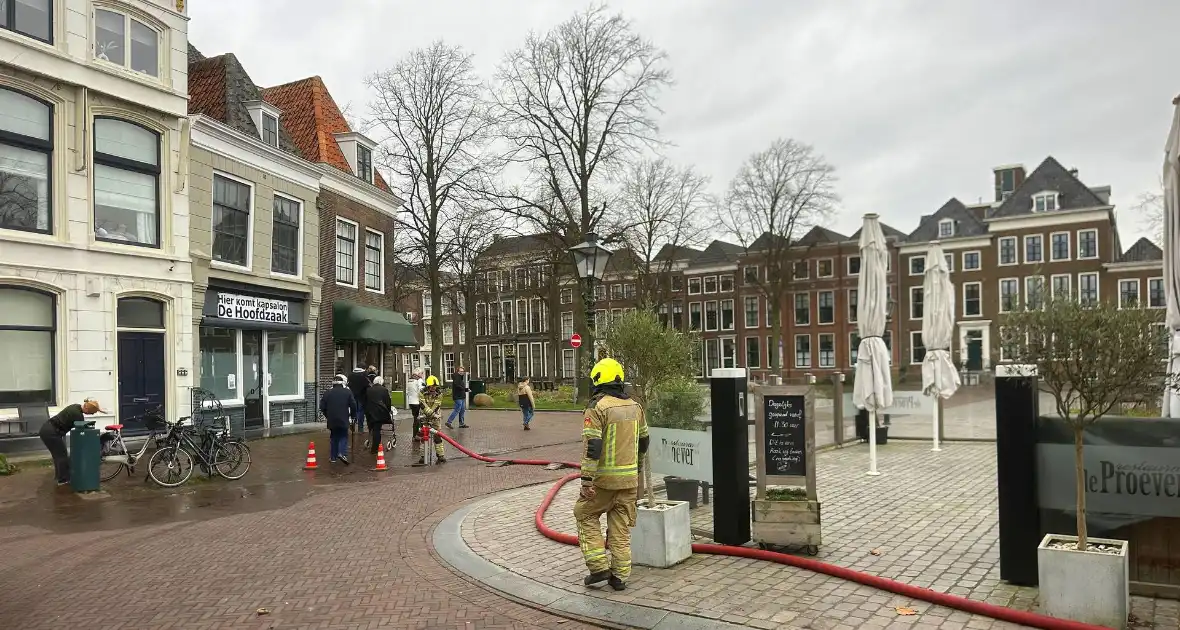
x,y
1017,409
731,457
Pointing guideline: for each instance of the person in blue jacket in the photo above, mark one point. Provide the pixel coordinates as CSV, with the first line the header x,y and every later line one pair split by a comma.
x,y
338,406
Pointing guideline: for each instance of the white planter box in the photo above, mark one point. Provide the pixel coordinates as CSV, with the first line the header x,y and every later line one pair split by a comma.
x,y
661,537
1084,586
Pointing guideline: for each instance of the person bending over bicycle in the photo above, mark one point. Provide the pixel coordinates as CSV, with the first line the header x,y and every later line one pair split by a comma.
x,y
53,434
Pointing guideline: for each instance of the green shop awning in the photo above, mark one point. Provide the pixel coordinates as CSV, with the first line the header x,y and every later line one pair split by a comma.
x,y
353,322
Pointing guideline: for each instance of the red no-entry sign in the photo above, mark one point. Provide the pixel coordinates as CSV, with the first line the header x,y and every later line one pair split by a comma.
x,y
575,340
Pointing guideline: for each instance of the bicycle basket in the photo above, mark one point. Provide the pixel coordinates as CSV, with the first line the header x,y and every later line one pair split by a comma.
x,y
154,423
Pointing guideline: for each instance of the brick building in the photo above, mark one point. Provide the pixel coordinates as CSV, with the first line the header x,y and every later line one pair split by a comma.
x,y
358,320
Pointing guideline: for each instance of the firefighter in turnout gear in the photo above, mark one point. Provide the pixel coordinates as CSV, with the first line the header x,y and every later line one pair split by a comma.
x,y
431,417
614,436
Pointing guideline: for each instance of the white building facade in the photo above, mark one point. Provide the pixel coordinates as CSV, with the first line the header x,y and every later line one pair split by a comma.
x,y
95,279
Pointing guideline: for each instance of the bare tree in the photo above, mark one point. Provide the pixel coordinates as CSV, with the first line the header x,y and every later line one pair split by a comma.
x,y
432,107
666,206
577,101
1149,207
463,286
776,197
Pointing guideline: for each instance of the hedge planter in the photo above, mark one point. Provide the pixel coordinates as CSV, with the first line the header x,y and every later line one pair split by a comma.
x,y
681,489
787,523
1089,586
662,536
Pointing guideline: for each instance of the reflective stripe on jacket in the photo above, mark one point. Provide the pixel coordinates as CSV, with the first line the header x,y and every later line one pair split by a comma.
x,y
619,423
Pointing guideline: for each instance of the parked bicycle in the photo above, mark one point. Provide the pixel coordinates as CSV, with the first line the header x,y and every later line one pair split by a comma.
x,y
115,456
174,460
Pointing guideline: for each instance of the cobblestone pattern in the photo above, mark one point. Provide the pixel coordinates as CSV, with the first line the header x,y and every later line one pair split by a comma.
x,y
930,517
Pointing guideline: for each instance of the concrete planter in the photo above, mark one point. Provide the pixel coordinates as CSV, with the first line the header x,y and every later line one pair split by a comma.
x,y
661,537
786,523
1084,586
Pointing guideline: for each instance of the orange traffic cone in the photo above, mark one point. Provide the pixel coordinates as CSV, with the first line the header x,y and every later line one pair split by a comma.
x,y
381,459
310,465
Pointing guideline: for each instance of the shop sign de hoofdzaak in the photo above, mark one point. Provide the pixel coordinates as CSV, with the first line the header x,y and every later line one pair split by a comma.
x,y
252,309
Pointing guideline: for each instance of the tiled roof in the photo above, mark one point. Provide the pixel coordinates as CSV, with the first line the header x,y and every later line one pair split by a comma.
x,y
966,224
719,252
676,252
219,88
886,229
508,245
819,235
1072,194
312,116
1142,251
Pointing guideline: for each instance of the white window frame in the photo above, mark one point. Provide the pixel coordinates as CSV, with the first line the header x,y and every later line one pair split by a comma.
x,y
1162,290
1000,251
1029,280
299,241
381,261
1053,285
1138,292
914,361
356,247
795,308
1000,295
1097,246
853,348
980,300
746,311
746,352
1048,196
567,354
1024,242
567,295
914,259
263,117
946,233
448,336
462,333
848,301
1068,247
911,304
249,266
745,269
239,368
819,267
732,314
520,327
702,311
819,312
1097,286
848,265
705,284
978,259
732,362
806,270
949,259
699,284
819,351
795,350
721,283
124,67
705,315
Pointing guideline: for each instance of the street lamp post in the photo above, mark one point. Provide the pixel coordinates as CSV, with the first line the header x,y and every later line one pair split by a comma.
x,y
590,260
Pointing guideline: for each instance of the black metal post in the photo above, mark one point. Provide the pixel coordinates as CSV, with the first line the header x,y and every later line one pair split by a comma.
x,y
1017,409
731,457
588,303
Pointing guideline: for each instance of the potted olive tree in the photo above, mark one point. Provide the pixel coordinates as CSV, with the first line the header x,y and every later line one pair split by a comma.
x,y
1090,358
658,364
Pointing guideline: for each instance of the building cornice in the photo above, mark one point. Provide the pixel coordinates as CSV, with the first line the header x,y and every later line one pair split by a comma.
x,y
217,137
356,189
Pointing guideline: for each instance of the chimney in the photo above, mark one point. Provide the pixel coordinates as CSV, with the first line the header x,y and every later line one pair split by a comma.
x,y
1073,171
1007,179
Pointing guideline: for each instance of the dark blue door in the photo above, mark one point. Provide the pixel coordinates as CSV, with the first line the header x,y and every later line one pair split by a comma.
x,y
141,376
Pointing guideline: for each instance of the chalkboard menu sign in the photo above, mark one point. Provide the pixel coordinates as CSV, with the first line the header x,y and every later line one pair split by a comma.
x,y
784,435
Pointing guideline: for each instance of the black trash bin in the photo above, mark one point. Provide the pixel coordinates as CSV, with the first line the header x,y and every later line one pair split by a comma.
x,y
862,427
681,489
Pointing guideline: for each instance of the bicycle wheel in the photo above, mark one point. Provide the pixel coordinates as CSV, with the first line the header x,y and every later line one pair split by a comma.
x,y
174,466
108,470
232,460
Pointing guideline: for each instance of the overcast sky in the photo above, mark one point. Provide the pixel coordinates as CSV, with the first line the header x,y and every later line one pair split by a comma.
x,y
912,101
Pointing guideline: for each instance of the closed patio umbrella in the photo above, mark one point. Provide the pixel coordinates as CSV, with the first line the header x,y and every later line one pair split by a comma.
x,y
940,379
1171,404
873,390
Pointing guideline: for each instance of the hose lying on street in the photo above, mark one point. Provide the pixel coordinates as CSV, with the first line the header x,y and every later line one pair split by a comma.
x,y
964,604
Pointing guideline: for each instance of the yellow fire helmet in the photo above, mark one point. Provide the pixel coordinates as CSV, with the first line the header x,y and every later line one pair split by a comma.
x,y
432,381
606,371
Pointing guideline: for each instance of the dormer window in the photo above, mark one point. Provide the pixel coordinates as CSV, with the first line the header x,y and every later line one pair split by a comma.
x,y
1045,202
125,41
364,163
270,130
946,228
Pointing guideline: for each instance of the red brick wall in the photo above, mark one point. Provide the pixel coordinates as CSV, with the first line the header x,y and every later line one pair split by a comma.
x,y
332,205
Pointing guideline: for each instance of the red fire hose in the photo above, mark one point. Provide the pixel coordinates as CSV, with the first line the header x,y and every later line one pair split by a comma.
x,y
1002,613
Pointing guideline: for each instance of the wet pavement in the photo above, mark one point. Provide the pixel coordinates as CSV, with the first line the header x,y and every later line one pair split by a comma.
x,y
340,547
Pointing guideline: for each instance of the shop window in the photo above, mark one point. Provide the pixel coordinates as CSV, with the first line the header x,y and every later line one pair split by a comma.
x,y
228,362
282,360
26,155
28,335
126,183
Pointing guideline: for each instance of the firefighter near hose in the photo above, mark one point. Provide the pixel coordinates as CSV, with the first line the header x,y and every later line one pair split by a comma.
x,y
429,417
614,437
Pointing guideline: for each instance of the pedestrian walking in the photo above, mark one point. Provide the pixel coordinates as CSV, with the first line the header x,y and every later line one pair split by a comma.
x,y
378,411
358,383
53,435
414,397
431,417
528,403
338,406
371,373
459,388
610,475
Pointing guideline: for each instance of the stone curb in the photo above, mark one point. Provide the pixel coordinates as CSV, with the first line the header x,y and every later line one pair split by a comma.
x,y
450,546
